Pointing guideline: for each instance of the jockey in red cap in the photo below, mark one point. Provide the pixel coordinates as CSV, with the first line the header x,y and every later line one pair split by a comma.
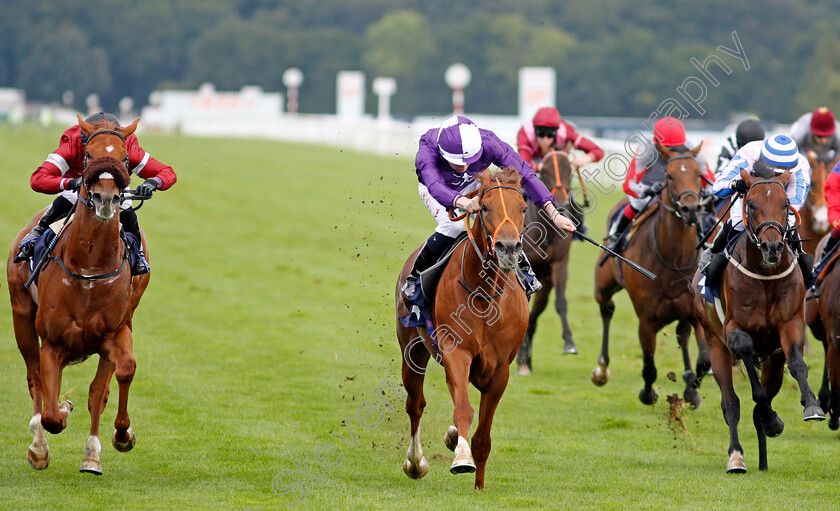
x,y
646,175
815,133
537,137
61,174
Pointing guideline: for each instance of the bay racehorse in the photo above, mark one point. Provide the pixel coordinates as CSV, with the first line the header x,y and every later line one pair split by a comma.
x,y
82,304
823,318
814,213
547,248
761,318
665,244
480,316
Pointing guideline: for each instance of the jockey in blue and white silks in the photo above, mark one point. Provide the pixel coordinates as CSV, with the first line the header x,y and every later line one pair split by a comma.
x,y
782,153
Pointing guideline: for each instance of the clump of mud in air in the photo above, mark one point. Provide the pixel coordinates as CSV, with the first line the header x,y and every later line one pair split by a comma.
x,y
675,411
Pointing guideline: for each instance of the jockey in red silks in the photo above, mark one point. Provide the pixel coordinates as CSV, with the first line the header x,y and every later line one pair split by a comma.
x,y
646,175
539,136
447,162
832,197
61,174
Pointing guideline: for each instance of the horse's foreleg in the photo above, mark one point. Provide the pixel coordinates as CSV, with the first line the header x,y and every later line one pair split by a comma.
x,y
647,339
704,363
742,345
792,340
457,366
490,398
414,364
832,377
538,304
721,360
119,352
559,275
97,399
690,394
53,418
601,374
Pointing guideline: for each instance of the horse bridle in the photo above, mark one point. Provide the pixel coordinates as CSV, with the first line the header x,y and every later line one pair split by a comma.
x,y
558,183
85,141
755,233
675,199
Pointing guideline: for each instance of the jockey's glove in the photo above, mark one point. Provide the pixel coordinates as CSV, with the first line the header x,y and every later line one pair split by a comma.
x,y
148,186
655,189
738,185
74,184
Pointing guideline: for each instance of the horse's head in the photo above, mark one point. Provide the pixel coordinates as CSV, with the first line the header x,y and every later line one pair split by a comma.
x,y
816,194
502,215
556,174
105,138
681,194
104,180
766,207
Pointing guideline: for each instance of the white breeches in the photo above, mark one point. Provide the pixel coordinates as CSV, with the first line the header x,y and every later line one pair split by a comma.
x,y
445,226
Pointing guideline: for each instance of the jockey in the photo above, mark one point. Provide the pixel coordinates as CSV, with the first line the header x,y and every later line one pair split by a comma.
x,y
538,137
781,154
816,134
447,161
646,176
61,174
832,197
748,130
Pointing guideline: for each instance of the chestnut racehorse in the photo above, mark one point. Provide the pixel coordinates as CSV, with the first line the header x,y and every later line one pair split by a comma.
x,y
83,303
762,299
823,317
480,316
814,213
547,248
665,244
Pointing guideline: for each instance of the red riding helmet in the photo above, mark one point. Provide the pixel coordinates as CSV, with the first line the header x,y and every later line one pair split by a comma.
x,y
669,131
548,117
822,122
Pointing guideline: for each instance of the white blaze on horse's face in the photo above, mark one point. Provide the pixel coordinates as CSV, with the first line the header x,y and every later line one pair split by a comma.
x,y
682,168
109,148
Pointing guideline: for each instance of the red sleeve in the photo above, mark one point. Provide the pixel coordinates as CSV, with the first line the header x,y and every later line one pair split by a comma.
x,y
141,163
832,197
523,145
583,143
631,176
63,164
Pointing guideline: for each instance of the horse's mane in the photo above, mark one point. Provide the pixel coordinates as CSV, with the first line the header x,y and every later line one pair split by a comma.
x,y
505,176
109,164
763,169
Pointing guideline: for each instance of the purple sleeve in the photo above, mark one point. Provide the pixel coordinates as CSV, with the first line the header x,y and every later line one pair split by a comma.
x,y
503,155
426,163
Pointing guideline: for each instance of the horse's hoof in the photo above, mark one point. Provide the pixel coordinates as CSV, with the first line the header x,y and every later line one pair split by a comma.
x,y
37,461
692,397
648,397
570,349
416,471
124,445
600,375
773,427
66,406
834,423
736,464
523,370
91,466
462,465
450,439
814,413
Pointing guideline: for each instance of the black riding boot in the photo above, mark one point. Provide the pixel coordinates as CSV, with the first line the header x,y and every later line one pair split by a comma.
x,y
806,261
529,281
615,233
128,219
713,260
434,247
57,210
830,243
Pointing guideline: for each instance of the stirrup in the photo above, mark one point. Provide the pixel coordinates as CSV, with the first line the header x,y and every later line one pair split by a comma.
x,y
410,286
140,266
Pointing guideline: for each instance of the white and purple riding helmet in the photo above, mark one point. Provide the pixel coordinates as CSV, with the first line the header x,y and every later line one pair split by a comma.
x,y
459,141
780,151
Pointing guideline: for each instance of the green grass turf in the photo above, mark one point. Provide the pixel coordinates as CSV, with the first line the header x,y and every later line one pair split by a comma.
x,y
269,319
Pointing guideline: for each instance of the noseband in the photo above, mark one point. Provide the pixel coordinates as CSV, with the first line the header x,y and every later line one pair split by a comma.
x,y
755,233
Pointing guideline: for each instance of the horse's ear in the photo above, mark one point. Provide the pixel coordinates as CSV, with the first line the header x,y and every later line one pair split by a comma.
x,y
128,130
746,176
784,177
664,151
694,152
87,129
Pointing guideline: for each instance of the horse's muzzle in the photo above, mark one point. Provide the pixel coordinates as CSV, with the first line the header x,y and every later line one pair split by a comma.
x,y
771,252
508,254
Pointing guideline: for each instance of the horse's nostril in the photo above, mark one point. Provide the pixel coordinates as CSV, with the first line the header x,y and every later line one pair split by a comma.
x,y
517,248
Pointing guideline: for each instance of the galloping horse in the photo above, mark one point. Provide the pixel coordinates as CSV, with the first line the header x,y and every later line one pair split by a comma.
x,y
480,316
665,244
83,303
548,251
823,317
814,213
762,299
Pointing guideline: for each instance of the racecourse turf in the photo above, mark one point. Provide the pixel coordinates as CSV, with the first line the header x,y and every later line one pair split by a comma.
x,y
269,320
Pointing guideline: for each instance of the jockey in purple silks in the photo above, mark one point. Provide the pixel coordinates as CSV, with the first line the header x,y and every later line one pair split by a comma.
x,y
448,160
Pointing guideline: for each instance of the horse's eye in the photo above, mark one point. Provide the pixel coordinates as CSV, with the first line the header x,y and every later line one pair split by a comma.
x,y
750,206
524,210
484,208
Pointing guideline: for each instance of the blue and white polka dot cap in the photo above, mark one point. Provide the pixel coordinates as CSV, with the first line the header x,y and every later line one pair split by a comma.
x,y
780,151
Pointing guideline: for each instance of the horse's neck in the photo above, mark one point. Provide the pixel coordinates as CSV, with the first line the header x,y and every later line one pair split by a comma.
x,y
675,236
92,243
